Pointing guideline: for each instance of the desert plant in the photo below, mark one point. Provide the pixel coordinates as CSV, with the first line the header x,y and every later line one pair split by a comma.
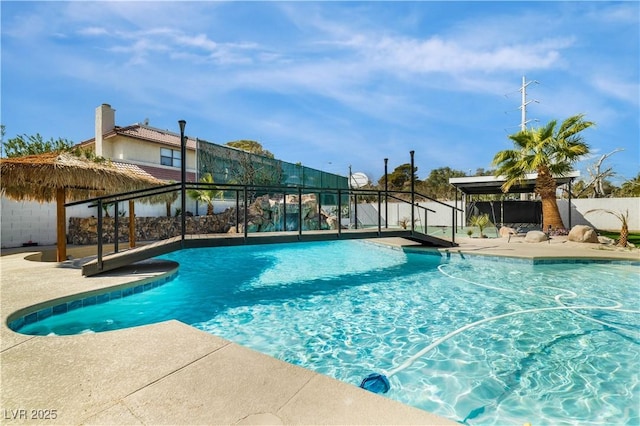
x,y
404,222
481,222
624,220
105,208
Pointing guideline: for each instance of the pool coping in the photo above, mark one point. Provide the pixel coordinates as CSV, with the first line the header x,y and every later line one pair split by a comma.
x,y
34,313
162,369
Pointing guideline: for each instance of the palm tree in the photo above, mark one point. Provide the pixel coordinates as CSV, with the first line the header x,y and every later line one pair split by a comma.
x,y
549,152
481,221
624,224
630,188
205,195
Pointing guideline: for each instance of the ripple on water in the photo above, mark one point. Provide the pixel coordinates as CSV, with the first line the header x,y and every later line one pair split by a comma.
x,y
347,309
546,367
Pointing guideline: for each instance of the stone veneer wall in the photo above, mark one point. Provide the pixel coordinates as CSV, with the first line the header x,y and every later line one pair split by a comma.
x,y
84,230
263,215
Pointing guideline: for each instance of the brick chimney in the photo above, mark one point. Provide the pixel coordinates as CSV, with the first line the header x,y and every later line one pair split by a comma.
x,y
105,122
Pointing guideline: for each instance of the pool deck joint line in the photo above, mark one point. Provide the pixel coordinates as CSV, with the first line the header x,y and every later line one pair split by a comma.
x,y
171,373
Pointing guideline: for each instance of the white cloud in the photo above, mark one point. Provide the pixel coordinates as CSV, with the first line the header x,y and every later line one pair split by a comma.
x,y
93,31
625,91
201,41
336,76
617,13
439,55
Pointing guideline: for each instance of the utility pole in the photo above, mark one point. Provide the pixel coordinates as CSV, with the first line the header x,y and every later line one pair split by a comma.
x,y
523,106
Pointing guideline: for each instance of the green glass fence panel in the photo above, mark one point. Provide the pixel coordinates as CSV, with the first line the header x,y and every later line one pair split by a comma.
x,y
234,166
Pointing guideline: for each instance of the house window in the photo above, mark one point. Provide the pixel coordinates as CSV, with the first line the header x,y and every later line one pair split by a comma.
x,y
170,157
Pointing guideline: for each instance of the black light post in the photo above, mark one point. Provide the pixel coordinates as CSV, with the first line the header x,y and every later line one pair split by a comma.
x,y
350,198
386,195
183,171
413,193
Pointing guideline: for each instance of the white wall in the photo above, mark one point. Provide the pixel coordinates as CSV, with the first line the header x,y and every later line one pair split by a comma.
x,y
440,216
27,221
600,220
367,213
24,221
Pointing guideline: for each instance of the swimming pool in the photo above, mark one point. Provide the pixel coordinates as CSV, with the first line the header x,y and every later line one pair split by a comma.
x,y
347,309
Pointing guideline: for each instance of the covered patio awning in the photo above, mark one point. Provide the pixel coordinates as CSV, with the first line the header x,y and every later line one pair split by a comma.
x,y
493,184
480,185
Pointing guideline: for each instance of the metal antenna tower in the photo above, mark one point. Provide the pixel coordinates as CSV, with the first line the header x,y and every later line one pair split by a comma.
x,y
523,106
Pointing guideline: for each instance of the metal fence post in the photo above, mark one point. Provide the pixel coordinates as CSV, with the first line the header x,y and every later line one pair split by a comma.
x,y
116,224
299,212
339,213
99,241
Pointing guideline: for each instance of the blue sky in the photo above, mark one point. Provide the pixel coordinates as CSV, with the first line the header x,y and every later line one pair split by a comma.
x,y
330,84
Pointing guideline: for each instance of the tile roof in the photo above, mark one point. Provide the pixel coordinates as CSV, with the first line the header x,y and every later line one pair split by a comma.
x,y
152,134
131,168
160,173
146,133
167,174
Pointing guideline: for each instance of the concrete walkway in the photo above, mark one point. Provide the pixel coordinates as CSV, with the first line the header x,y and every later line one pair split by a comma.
x,y
171,373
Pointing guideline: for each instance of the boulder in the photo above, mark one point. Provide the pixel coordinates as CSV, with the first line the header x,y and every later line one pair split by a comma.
x,y
309,197
583,234
505,231
535,237
291,199
606,240
332,222
309,208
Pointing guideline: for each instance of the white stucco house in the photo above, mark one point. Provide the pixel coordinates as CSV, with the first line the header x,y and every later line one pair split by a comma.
x,y
153,150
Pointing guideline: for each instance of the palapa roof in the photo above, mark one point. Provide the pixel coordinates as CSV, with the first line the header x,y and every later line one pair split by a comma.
x,y
37,177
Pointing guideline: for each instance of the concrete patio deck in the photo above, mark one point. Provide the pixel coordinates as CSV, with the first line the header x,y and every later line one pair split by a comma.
x,y
171,373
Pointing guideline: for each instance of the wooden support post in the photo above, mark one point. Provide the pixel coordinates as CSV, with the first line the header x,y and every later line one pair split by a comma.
x,y
61,225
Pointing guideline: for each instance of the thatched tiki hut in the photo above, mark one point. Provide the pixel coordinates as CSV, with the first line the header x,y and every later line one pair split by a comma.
x,y
64,177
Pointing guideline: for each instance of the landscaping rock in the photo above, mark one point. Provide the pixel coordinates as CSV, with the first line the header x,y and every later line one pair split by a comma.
x,y
505,231
606,240
535,237
583,234
332,222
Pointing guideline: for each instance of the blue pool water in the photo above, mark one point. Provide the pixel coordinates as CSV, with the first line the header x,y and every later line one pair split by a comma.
x,y
447,331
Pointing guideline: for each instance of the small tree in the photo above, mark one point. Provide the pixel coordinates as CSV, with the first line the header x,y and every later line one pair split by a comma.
x,y
400,178
629,188
437,185
250,146
23,145
205,195
624,220
481,222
